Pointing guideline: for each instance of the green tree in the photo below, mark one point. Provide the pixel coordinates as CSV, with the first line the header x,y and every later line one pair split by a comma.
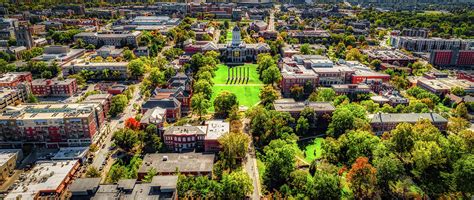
x,y
234,147
279,163
149,175
302,126
376,64
136,68
236,185
125,139
459,91
199,104
271,75
150,139
92,172
326,186
325,94
224,103
128,55
463,174
118,104
204,87
268,95
156,77
305,49
461,111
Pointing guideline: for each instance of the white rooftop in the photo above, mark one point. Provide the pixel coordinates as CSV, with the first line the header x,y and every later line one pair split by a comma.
x,y
45,176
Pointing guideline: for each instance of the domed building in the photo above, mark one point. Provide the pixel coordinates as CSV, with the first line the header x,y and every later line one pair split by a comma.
x,y
237,52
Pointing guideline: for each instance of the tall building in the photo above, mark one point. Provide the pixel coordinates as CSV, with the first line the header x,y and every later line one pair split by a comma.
x,y
452,58
23,36
418,44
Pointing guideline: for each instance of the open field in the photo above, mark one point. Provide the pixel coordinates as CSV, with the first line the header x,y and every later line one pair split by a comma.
x,y
313,151
247,93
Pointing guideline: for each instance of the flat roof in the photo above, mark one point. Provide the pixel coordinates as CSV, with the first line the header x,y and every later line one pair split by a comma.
x,y
45,176
7,154
183,162
84,184
69,153
299,106
216,129
406,117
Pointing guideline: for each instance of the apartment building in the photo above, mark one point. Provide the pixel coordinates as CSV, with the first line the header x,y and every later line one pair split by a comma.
x,y
8,161
13,96
430,44
54,87
51,125
165,164
452,58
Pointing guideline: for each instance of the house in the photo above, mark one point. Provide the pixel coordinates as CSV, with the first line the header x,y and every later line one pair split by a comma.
x,y
171,105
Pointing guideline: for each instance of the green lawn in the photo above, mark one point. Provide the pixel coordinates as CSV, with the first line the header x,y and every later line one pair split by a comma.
x,y
247,95
309,150
229,35
221,74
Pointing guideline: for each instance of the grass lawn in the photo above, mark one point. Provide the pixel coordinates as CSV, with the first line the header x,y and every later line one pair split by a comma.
x,y
261,169
229,35
247,95
309,150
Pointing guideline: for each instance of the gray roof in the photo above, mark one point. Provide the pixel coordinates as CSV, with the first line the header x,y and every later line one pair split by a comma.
x,y
126,184
407,117
162,103
183,162
84,184
166,182
283,106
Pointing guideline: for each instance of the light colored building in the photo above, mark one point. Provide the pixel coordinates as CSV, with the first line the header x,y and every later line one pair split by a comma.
x,y
59,54
8,161
13,96
419,44
443,85
47,179
114,70
294,108
113,39
195,164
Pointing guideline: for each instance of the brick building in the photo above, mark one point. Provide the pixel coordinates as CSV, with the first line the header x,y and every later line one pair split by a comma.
x,y
51,125
195,164
13,79
54,87
396,57
171,105
452,58
189,138
381,122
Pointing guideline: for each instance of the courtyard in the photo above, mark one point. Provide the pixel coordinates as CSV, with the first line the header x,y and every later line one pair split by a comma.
x,y
243,82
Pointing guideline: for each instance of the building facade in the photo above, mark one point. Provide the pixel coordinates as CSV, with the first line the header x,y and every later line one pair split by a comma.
x,y
54,87
386,122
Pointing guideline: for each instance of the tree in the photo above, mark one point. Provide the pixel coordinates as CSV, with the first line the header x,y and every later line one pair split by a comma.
x,y
458,91
326,186
354,54
376,64
342,120
457,124
461,111
125,139
389,169
271,75
279,163
305,49
118,104
236,185
264,61
5,67
32,98
268,95
234,147
325,94
297,92
302,126
463,174
136,68
132,123
149,175
204,87
199,104
92,172
362,179
150,139
156,77
224,103
128,55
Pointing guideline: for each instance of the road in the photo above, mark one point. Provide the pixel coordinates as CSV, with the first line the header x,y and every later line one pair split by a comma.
x,y
250,166
115,124
271,21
